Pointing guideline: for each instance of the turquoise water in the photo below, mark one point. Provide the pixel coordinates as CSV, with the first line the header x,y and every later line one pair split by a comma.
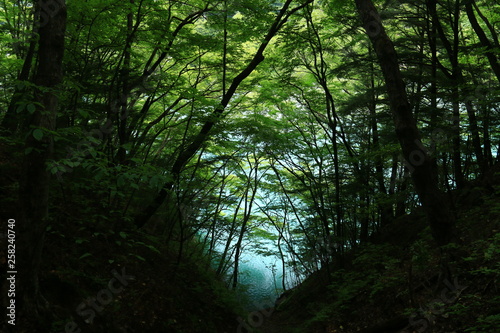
x,y
261,278
263,287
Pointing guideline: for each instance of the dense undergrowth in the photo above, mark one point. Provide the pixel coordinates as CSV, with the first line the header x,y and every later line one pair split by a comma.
x,y
397,283
96,279
161,294
168,292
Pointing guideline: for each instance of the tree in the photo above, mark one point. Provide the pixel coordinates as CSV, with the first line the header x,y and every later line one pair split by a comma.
x,y
168,118
489,47
422,167
190,149
35,178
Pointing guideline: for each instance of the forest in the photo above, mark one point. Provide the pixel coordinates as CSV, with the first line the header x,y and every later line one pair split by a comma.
x,y
148,148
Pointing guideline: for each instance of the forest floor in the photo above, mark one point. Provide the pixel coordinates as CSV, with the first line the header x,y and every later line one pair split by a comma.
x,y
99,280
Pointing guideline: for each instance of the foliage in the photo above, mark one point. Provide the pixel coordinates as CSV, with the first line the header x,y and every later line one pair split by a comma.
x,y
170,112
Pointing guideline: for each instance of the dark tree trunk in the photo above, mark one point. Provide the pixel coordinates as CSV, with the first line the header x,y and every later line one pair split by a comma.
x,y
457,80
419,162
385,207
248,202
455,76
476,139
34,182
364,219
487,140
125,87
456,141
485,42
432,35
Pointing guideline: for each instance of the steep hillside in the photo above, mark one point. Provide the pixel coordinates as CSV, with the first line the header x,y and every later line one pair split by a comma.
x,y
99,281
396,283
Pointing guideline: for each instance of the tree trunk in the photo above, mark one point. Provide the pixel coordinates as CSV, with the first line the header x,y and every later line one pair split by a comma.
x,y
124,92
488,155
34,182
456,79
476,139
416,156
456,140
246,217
223,262
485,42
385,207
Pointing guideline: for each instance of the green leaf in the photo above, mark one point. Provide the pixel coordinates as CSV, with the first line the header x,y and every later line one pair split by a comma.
x,y
85,255
54,170
138,256
154,181
31,108
121,181
38,134
123,235
154,249
83,113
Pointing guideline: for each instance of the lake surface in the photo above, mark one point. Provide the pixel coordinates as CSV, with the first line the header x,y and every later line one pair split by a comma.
x,y
263,285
